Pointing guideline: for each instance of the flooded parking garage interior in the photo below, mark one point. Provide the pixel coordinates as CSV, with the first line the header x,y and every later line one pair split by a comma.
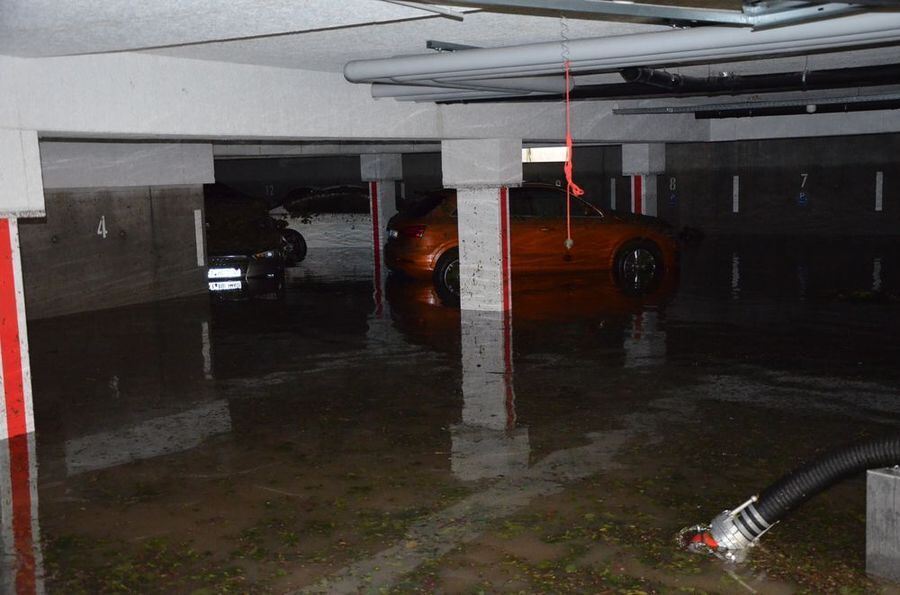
x,y
354,298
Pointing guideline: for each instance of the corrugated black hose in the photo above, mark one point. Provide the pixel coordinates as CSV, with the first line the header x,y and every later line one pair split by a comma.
x,y
734,531
802,484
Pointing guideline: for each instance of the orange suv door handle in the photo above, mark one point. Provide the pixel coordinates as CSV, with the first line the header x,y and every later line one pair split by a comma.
x,y
545,229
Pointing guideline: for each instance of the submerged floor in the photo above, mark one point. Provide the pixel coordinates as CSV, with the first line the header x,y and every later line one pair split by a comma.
x,y
347,440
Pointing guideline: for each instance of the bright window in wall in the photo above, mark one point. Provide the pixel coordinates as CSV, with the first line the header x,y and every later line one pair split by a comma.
x,y
545,154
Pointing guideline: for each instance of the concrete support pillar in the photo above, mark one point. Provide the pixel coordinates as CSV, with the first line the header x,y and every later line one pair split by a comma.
x,y
21,560
16,411
883,523
481,171
21,195
487,443
643,195
381,171
21,187
643,162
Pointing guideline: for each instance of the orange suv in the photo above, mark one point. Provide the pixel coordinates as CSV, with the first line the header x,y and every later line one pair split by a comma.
x,y
423,240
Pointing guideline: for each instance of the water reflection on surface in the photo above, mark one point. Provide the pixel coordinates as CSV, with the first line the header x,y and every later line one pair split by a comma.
x,y
21,556
321,443
487,442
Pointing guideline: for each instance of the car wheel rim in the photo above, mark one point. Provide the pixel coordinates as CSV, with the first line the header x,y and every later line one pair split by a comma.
x,y
451,277
639,267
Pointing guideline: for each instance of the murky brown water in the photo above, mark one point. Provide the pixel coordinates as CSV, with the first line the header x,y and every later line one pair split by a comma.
x,y
316,445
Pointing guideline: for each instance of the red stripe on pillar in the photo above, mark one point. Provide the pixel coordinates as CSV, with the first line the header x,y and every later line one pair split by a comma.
x,y
637,194
23,538
506,272
376,243
508,371
505,264
10,341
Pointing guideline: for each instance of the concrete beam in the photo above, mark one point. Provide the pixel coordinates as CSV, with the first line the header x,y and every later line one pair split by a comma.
x,y
21,189
381,167
135,95
108,165
643,158
482,163
244,151
773,127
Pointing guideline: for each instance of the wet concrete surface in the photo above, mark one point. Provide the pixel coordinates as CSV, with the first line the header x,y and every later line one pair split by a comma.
x,y
353,440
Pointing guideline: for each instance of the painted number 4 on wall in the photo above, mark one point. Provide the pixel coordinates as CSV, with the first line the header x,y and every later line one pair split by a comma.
x,y
101,227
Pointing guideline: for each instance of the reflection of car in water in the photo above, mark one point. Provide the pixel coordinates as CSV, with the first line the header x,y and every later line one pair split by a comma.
x,y
543,308
244,246
423,240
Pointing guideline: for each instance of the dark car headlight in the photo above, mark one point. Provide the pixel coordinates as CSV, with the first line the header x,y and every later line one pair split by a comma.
x,y
265,254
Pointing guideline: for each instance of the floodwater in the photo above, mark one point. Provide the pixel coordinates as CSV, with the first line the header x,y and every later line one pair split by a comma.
x,y
354,438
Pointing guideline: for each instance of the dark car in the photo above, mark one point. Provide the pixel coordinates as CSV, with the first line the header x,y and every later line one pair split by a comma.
x,y
244,244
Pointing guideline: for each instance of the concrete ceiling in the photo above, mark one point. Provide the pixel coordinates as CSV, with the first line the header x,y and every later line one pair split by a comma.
x,y
330,50
319,35
38,28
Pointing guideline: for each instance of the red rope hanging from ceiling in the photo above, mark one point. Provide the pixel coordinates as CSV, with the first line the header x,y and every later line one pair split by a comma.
x,y
571,186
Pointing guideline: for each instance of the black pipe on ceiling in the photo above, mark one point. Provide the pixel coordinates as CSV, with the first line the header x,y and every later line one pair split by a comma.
x,y
729,83
794,110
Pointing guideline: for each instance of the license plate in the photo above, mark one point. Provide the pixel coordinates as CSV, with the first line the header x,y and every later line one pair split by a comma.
x,y
224,285
223,273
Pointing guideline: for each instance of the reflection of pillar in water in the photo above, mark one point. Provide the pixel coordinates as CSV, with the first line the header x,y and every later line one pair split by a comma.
x,y
645,344
735,276
487,442
487,370
21,560
876,274
206,350
802,279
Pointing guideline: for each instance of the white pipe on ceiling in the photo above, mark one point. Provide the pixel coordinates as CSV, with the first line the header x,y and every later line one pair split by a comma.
x,y
706,44
401,92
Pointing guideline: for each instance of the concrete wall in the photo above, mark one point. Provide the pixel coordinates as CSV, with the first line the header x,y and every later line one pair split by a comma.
x,y
422,172
594,168
272,179
838,196
275,177
114,164
149,251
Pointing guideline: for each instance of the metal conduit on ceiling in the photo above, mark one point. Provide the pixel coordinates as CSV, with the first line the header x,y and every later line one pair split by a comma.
x,y
473,70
